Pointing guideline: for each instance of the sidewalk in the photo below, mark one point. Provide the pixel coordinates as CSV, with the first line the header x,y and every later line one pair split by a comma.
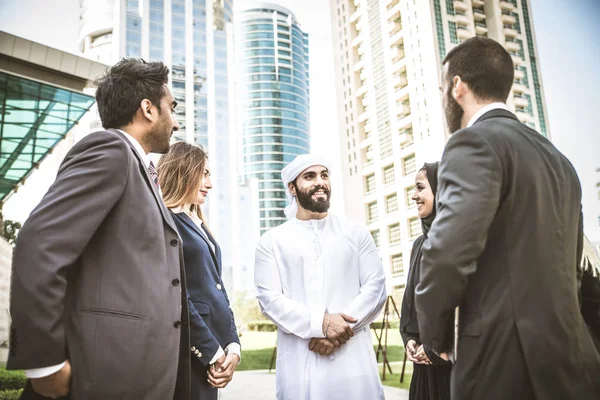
x,y
260,385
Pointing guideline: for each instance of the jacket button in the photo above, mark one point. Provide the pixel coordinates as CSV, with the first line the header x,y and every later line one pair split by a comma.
x,y
218,286
175,282
174,242
177,324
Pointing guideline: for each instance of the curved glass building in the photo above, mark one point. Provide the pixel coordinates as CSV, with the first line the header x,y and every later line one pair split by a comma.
x,y
272,57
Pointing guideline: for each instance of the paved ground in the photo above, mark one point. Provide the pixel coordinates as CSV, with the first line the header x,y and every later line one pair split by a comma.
x,y
260,385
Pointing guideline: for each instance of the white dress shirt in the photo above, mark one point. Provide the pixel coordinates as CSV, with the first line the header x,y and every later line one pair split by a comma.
x,y
232,348
484,109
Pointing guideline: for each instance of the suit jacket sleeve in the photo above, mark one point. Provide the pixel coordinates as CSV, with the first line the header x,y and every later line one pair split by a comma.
x,y
201,336
89,183
367,305
233,335
469,188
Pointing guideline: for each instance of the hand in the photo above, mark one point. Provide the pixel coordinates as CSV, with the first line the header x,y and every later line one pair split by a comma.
x,y
411,350
421,356
220,375
444,356
55,385
338,328
321,346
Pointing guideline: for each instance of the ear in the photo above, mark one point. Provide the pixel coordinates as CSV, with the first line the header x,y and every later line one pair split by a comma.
x,y
148,110
292,188
459,88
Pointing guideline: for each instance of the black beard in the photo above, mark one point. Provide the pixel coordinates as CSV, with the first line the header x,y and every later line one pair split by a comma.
x,y
454,113
307,202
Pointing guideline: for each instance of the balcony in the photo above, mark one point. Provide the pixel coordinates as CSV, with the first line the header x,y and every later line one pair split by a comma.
x,y
524,117
360,64
357,40
399,82
480,28
520,101
460,5
355,16
463,34
405,137
519,74
477,3
397,39
462,19
517,60
397,54
505,5
403,110
478,14
510,32
394,8
518,87
512,46
508,18
394,27
362,89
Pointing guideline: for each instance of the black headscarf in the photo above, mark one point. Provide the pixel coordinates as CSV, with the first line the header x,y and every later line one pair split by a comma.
x,y
409,327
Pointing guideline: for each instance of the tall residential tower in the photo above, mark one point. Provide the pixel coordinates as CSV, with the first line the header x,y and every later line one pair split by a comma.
x,y
272,57
388,57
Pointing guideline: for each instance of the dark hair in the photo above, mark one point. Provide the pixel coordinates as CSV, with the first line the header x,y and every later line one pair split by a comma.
x,y
484,65
123,87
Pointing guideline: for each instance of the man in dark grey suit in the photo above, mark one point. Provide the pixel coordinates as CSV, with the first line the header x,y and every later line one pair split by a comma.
x,y
504,247
98,294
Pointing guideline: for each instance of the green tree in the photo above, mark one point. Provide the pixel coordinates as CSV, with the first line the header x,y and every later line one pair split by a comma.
x,y
11,230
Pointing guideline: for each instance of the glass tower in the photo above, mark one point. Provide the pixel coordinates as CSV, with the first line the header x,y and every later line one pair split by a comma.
x,y
272,53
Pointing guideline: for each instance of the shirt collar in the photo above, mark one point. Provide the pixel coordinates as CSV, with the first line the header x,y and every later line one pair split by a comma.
x,y
138,147
484,109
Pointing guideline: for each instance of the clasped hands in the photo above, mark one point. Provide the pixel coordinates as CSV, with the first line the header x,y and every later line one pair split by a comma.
x,y
221,372
416,353
337,332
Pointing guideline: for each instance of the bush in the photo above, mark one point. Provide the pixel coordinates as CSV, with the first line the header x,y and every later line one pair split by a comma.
x,y
394,324
262,326
12,380
10,394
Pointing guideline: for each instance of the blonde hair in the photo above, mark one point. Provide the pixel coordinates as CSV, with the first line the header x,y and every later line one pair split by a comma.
x,y
179,174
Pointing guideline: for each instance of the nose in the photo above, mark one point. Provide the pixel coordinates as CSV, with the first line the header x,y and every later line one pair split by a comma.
x,y
175,124
207,183
414,197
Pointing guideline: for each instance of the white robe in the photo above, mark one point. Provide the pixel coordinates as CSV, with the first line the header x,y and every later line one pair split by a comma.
x,y
302,269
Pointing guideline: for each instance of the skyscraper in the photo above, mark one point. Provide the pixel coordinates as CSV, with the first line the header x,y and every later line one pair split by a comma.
x,y
194,38
388,57
272,57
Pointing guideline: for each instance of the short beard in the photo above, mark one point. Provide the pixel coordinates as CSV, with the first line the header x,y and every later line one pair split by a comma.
x,y
454,114
157,140
307,202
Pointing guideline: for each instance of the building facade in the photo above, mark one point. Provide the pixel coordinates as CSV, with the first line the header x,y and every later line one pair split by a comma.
x,y
194,38
272,57
388,56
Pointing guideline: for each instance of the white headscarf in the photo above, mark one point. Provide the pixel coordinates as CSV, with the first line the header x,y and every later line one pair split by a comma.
x,y
291,172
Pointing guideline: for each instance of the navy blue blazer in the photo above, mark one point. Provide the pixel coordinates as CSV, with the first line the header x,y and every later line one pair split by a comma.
x,y
211,319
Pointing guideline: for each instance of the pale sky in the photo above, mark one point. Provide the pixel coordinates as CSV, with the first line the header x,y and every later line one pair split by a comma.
x,y
567,37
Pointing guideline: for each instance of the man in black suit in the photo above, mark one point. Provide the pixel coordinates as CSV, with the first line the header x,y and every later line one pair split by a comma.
x,y
504,247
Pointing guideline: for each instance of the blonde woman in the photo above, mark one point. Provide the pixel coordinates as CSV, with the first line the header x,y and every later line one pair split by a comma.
x,y
184,179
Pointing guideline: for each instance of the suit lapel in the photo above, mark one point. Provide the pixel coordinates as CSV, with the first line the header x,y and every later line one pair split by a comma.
x,y
217,248
188,221
163,209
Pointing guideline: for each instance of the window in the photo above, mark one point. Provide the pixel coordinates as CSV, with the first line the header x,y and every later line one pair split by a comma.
x,y
391,203
409,164
372,212
414,228
394,234
375,235
388,174
410,203
370,183
397,263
